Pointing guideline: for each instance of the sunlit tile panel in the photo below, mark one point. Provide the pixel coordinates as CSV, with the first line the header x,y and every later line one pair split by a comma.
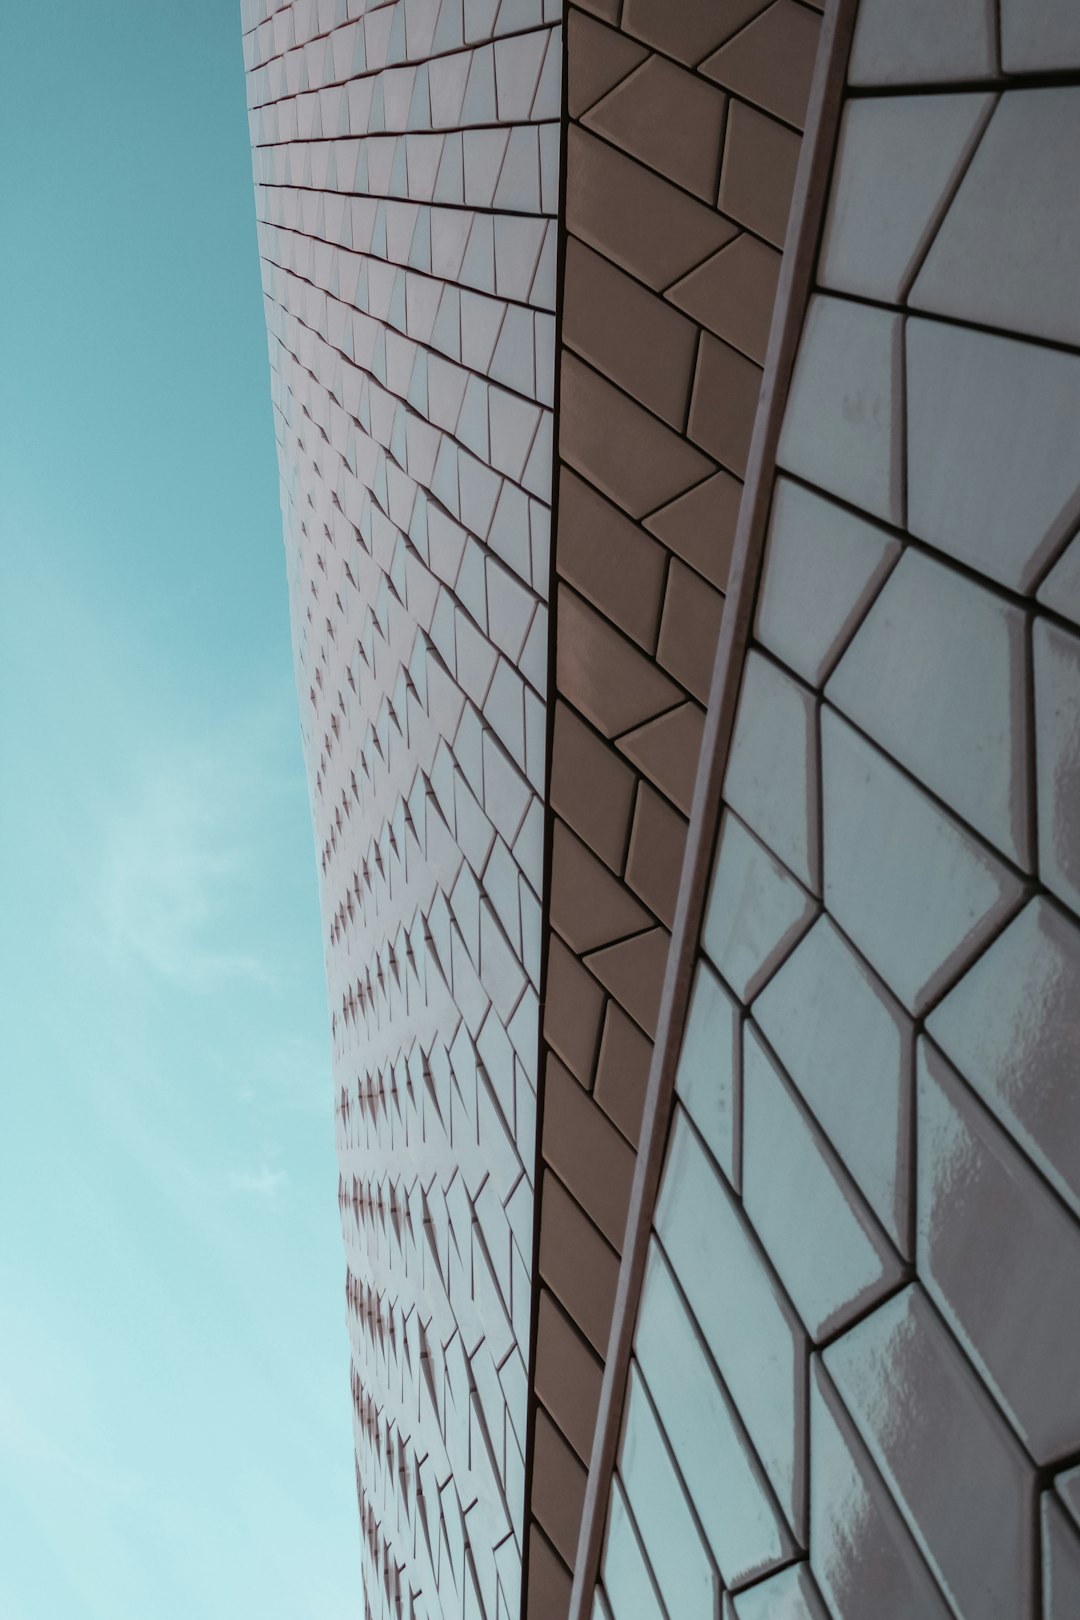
x,y
406,163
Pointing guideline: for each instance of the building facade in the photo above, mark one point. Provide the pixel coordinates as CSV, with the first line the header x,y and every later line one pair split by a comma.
x,y
678,414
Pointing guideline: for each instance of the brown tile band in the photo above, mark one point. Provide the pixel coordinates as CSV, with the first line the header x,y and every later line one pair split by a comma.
x,y
810,193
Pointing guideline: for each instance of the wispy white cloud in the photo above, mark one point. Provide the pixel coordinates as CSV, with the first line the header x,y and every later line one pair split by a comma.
x,y
264,1182
173,856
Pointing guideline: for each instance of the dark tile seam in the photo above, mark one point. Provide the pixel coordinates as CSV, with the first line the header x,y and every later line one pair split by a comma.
x,y
804,225
546,931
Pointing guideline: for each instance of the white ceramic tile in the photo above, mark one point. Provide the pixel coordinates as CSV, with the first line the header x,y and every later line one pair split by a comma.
x,y
1039,35
823,566
993,448
1060,590
847,1045
959,1477
937,674
829,1253
861,1552
1001,1258
771,778
843,424
752,1332
707,1077
1060,1562
791,1595
911,888
896,159
1010,1026
738,1513
624,1572
1057,750
755,911
1014,213
680,1563
1067,1486
922,41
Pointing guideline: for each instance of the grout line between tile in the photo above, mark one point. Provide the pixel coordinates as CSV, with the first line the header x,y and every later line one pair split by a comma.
x,y
546,931
803,230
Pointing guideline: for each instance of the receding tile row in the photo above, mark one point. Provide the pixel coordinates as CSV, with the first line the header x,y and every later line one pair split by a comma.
x,y
412,364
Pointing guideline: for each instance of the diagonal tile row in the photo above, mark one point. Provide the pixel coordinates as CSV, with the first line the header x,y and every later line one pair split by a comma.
x,y
682,140
412,356
853,1388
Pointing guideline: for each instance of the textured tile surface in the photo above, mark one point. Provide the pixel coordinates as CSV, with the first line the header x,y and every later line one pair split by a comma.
x,y
681,145
1009,209
873,1412
847,1045
406,160
844,422
744,1528
897,159
884,1198
1011,1027
830,1254
937,675
1004,499
751,1329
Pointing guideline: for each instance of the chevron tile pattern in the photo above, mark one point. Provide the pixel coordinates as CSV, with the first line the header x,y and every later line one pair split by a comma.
x,y
406,160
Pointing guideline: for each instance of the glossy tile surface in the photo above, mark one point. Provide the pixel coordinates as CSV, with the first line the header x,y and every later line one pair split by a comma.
x,y
1057,719
1001,1258
1012,1027
827,1249
847,1045
755,911
707,1078
916,892
771,780
959,1478
750,1328
861,1553
937,674
723,1478
896,857
682,1569
791,1595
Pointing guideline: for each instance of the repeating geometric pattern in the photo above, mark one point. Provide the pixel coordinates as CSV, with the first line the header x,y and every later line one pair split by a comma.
x,y
854,1386
683,135
406,160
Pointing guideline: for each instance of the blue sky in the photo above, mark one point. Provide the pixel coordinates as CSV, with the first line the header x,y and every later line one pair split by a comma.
x,y
174,1407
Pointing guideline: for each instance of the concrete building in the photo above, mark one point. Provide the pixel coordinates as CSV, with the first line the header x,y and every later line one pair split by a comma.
x,y
678,412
